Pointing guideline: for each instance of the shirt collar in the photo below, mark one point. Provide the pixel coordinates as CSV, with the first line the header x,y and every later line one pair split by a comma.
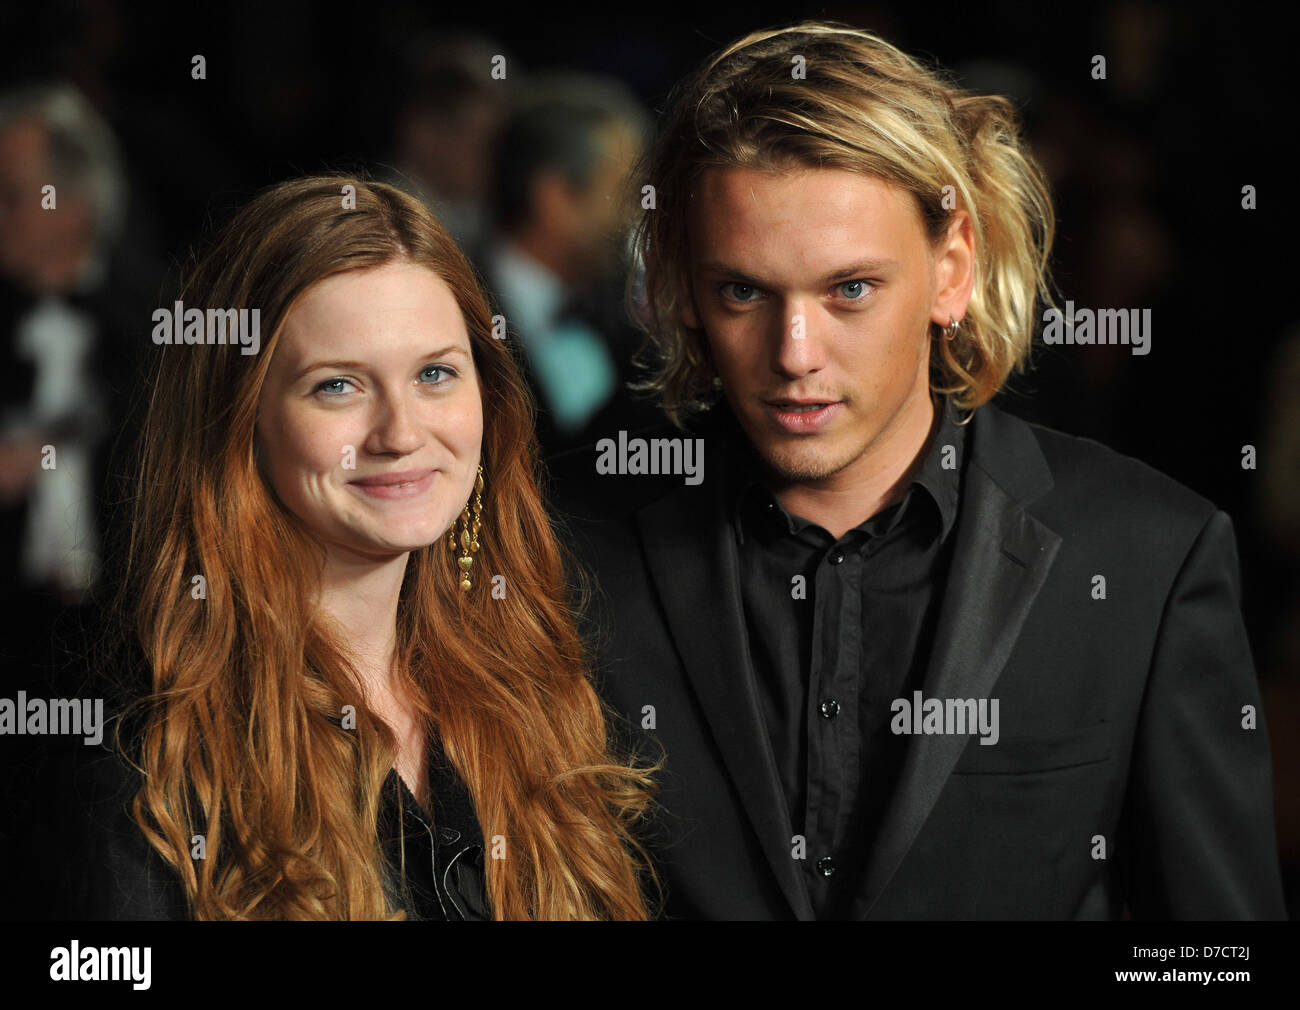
x,y
939,482
531,293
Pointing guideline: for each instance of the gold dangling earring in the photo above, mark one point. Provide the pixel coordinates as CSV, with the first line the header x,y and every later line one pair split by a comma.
x,y
469,533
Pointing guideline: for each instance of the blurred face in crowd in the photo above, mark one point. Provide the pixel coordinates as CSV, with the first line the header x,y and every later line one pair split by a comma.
x,y
816,290
602,212
583,223
373,367
452,151
41,249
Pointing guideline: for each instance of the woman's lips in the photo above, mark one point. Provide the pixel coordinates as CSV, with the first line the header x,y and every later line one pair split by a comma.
x,y
803,419
405,484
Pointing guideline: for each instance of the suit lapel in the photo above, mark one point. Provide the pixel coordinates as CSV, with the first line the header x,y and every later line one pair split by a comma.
x,y
694,563
1000,562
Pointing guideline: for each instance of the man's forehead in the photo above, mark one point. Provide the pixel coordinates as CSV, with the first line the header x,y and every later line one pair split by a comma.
x,y
819,216
794,182
24,135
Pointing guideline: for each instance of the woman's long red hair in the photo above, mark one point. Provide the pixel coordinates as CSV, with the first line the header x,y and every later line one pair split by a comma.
x,y
241,740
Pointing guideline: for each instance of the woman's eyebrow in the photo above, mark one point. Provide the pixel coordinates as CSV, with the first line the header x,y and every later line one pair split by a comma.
x,y
361,365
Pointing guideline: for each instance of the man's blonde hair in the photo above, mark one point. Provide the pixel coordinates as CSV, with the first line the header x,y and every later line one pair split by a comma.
x,y
827,95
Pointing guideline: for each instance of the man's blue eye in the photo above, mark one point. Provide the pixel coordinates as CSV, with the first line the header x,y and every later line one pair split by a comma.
x,y
853,289
738,291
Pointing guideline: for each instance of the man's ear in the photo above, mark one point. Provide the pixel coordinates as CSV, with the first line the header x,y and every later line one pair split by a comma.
x,y
687,313
954,271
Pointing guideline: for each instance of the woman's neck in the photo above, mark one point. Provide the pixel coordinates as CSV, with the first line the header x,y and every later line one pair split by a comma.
x,y
361,598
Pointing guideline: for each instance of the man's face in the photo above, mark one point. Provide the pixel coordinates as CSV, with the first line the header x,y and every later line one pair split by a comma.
x,y
599,212
817,286
453,152
39,248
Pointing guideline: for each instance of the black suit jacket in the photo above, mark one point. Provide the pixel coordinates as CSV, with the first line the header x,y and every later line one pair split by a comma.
x,y
1123,774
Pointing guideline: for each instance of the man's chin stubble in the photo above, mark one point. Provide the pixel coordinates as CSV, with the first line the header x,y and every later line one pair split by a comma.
x,y
800,468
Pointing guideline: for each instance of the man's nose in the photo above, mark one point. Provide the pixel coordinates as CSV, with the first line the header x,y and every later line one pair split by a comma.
x,y
798,343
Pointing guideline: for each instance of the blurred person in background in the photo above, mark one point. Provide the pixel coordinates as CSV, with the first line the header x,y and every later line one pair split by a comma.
x,y
447,129
562,200
61,315
62,326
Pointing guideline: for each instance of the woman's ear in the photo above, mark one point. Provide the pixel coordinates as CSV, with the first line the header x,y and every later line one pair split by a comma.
x,y
258,460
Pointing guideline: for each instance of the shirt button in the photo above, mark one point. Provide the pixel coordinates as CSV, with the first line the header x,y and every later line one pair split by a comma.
x,y
837,558
826,866
830,708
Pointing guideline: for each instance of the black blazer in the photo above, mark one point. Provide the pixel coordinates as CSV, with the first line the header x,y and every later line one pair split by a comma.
x,y
1120,718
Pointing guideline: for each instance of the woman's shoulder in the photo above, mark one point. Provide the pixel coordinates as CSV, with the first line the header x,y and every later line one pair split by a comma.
x,y
96,861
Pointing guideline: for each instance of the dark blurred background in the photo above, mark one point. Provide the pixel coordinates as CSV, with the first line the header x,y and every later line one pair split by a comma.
x,y
1147,169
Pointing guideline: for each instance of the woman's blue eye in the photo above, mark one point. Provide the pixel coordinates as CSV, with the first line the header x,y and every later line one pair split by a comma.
x,y
332,382
334,387
439,368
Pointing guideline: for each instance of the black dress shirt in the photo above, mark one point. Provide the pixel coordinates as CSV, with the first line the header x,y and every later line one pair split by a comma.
x,y
440,873
831,651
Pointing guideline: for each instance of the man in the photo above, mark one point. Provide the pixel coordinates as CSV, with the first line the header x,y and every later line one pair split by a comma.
x,y
69,308
446,129
904,661
561,218
54,241
77,274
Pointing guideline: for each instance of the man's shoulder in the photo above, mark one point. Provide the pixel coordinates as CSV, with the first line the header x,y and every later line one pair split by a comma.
x,y
1093,479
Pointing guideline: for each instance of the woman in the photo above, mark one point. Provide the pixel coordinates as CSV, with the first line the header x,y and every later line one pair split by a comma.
x,y
349,599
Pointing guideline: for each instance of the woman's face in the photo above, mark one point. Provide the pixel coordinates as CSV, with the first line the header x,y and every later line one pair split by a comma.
x,y
370,423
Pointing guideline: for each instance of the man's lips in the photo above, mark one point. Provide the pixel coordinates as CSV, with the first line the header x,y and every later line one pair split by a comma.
x,y
786,402
802,417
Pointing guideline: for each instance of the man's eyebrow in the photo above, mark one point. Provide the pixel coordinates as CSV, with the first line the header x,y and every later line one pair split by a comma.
x,y
868,266
861,267
361,365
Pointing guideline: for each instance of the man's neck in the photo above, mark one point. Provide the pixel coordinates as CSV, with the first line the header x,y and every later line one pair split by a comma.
x,y
874,481
539,247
